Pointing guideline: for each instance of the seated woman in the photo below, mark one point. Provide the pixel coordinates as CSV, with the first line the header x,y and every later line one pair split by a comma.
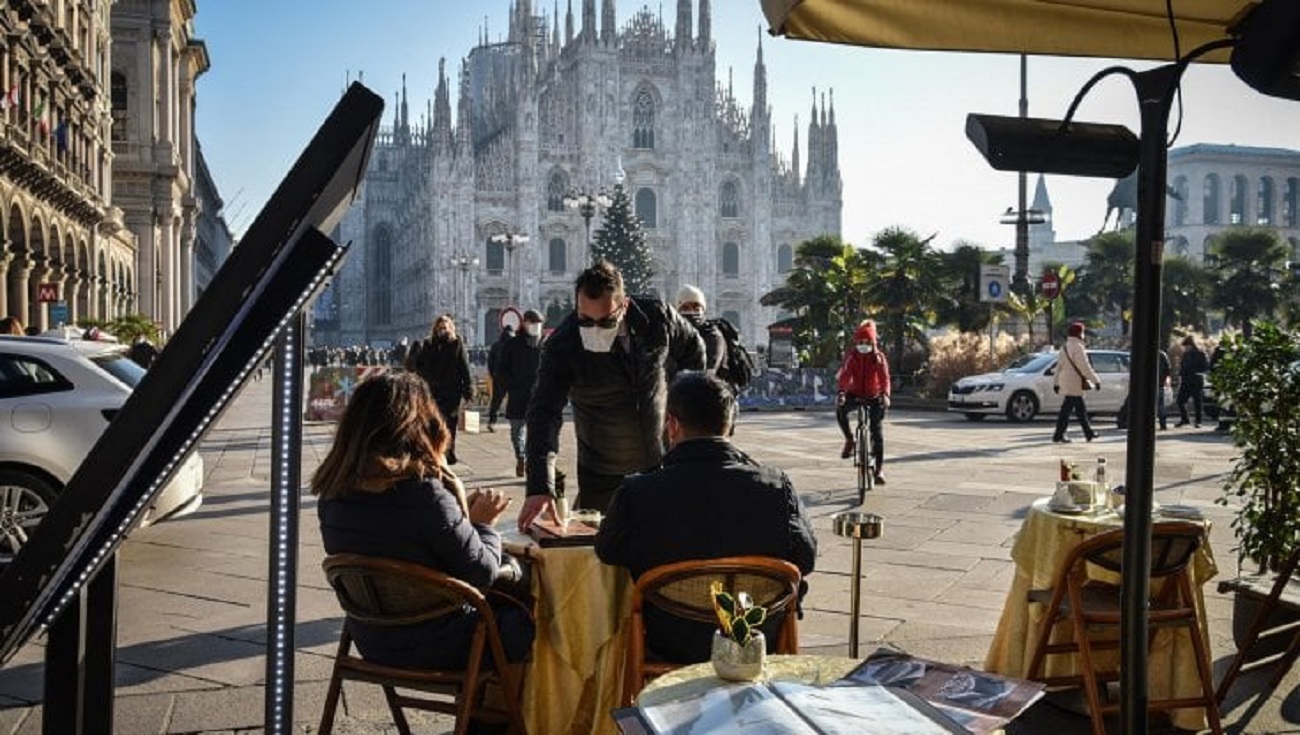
x,y
385,490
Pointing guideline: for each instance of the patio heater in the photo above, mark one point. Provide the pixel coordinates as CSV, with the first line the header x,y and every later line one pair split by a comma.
x,y
856,525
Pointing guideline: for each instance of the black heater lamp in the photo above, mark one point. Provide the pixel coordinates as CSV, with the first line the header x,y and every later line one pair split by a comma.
x,y
1267,53
1035,144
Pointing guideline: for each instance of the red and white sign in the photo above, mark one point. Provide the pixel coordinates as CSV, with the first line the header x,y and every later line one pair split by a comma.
x,y
1051,285
47,292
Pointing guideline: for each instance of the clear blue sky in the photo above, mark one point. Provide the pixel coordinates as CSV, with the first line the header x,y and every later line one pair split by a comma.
x,y
278,67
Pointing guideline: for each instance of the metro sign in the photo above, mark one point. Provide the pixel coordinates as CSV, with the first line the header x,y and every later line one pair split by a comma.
x,y
47,292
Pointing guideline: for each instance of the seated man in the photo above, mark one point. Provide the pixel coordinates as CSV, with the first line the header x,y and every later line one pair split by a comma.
x,y
706,500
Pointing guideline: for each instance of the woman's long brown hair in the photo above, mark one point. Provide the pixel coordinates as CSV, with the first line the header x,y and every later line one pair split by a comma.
x,y
391,430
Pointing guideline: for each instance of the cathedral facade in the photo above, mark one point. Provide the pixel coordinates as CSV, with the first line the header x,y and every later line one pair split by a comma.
x,y
564,107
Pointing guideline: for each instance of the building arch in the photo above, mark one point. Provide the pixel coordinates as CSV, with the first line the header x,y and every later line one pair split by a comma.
x,y
1210,200
379,276
556,188
645,103
1180,201
1266,192
730,255
646,207
1238,197
729,199
557,256
784,258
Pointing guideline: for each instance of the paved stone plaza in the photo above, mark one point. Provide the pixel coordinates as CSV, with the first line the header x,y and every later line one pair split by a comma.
x,y
192,609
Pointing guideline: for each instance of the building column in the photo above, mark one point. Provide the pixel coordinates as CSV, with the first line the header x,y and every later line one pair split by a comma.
x,y
94,294
6,258
38,315
73,283
168,272
18,295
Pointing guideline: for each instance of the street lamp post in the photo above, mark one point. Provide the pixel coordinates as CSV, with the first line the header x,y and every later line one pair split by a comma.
x,y
510,240
587,203
466,263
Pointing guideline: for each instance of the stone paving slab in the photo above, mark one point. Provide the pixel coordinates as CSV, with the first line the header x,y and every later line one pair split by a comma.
x,y
192,602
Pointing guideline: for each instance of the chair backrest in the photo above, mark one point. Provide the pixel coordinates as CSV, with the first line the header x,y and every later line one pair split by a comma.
x,y
1173,543
379,591
682,588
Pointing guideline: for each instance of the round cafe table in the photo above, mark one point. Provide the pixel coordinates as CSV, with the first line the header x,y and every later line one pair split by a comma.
x,y
699,678
1044,540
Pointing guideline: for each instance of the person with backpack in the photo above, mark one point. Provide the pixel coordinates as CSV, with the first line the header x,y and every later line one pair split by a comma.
x,y
725,355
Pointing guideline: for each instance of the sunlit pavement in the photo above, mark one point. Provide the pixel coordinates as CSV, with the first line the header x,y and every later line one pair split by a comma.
x,y
193,592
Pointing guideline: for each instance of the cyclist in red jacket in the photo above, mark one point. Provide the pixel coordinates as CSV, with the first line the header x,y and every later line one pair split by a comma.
x,y
864,378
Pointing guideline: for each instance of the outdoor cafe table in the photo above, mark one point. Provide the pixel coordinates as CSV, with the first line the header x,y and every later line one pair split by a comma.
x,y
1044,540
576,675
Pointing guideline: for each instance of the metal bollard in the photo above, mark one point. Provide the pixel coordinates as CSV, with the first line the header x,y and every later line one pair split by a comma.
x,y
857,526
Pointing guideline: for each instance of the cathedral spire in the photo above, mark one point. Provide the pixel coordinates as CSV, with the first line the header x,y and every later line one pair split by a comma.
x,y
814,145
682,38
1042,202
441,107
794,157
568,24
588,21
462,110
760,81
706,26
607,26
405,123
555,29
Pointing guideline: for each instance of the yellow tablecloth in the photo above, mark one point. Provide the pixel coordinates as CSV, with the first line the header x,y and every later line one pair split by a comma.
x,y
1044,541
576,676
699,678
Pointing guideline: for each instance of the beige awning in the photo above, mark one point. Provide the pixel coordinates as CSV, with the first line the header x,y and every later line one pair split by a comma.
x,y
1123,29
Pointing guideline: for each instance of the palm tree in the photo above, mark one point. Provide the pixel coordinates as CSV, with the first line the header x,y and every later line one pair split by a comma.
x,y
1246,261
908,287
824,292
1107,280
1185,290
961,274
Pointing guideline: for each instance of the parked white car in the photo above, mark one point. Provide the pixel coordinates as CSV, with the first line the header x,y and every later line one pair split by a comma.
x,y
56,397
1023,389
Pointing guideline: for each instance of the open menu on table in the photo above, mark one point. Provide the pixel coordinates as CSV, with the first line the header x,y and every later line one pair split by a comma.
x,y
980,701
790,708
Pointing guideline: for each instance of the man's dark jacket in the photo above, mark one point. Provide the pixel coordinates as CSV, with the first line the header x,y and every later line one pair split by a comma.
x,y
517,371
618,397
707,500
444,365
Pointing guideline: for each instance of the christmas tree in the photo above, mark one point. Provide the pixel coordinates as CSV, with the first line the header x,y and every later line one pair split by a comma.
x,y
621,241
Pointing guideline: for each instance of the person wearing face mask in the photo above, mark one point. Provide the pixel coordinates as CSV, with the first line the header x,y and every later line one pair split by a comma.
x,y
701,477
864,378
516,373
443,362
611,359
691,304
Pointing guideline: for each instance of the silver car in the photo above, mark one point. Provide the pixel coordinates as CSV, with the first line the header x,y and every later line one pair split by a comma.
x,y
56,397
1023,389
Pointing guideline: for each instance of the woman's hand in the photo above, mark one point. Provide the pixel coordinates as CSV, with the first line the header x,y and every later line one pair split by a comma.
x,y
486,505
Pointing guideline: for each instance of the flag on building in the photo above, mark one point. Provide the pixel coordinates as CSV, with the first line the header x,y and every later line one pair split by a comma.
x,y
61,136
42,117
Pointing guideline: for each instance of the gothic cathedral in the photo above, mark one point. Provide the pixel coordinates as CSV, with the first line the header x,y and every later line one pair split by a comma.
x,y
550,114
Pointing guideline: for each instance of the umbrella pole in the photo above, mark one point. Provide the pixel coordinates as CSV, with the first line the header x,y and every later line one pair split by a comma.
x,y
1155,90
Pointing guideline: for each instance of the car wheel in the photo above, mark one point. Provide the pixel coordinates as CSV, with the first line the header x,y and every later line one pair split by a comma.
x,y
24,501
1022,407
975,416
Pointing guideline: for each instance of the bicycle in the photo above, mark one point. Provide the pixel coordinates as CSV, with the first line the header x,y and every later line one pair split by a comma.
x,y
862,457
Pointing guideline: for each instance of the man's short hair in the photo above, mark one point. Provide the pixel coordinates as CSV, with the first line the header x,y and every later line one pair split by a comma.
x,y
598,280
702,403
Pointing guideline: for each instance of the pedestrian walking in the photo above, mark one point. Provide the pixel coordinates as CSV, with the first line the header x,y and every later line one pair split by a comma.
x,y
1191,380
1073,376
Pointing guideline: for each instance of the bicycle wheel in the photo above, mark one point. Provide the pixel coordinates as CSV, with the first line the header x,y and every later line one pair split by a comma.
x,y
866,478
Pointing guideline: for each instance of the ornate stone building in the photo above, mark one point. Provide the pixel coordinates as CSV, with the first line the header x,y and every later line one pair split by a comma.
x,y
213,239
155,63
64,250
1220,186
557,108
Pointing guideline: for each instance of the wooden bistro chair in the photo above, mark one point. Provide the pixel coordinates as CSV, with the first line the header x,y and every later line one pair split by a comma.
x,y
381,592
1086,606
682,589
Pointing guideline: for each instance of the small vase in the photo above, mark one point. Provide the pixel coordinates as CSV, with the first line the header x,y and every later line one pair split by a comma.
x,y
735,662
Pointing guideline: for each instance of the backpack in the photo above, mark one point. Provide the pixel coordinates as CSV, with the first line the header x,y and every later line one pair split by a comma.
x,y
738,366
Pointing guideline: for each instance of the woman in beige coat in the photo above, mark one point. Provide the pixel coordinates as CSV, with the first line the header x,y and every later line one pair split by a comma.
x,y
1074,375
